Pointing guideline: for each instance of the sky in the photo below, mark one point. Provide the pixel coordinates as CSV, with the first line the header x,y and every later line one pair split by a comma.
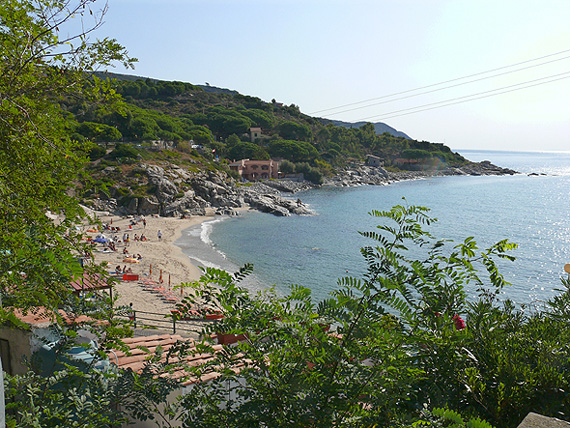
x,y
324,54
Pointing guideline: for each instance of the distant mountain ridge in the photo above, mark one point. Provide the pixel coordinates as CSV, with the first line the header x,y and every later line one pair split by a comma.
x,y
379,127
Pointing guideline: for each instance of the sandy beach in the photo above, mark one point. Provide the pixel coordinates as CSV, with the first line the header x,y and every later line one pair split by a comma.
x,y
157,255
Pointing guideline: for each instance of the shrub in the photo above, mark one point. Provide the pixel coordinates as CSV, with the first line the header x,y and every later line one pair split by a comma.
x,y
122,151
287,167
96,152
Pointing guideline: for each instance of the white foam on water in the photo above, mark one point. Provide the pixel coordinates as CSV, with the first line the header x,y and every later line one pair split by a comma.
x,y
206,231
205,263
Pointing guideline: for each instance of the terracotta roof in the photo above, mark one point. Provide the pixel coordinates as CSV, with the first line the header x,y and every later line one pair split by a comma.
x,y
142,347
41,317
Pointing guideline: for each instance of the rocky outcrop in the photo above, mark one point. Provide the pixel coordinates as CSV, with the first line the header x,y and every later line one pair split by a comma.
x,y
485,168
173,191
266,198
177,192
360,174
290,186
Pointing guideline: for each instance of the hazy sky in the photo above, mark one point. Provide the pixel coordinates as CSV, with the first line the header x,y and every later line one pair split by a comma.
x,y
321,54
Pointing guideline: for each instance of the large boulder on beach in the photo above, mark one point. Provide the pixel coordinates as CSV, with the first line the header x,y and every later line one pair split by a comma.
x,y
187,204
147,206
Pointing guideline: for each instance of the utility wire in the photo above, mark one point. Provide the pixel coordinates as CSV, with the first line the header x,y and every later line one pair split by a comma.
x,y
466,98
445,87
442,83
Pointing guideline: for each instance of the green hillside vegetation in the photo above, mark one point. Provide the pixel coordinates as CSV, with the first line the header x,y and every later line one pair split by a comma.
x,y
407,344
220,121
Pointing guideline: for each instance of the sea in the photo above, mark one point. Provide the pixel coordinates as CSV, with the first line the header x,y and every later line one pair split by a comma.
x,y
531,209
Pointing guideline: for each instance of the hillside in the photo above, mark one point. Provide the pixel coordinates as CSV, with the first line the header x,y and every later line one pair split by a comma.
x,y
166,149
220,119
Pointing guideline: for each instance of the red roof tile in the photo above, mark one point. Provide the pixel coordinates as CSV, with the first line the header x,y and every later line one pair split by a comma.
x,y
143,347
41,316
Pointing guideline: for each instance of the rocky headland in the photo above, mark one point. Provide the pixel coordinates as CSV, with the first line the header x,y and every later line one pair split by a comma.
x,y
360,174
179,192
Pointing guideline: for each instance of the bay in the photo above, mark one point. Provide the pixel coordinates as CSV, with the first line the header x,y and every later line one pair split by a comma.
x,y
314,251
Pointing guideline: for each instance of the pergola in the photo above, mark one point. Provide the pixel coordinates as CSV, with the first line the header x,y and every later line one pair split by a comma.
x,y
90,281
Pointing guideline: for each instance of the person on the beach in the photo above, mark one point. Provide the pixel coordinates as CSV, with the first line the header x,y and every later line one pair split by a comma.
x,y
159,235
144,222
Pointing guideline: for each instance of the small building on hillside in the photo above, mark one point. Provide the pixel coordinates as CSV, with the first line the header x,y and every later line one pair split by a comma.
x,y
253,170
254,134
372,160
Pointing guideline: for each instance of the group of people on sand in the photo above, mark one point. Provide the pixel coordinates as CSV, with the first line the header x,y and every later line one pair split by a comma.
x,y
134,256
141,238
112,241
125,269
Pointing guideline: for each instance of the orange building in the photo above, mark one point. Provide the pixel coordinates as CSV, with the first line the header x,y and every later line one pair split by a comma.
x,y
253,170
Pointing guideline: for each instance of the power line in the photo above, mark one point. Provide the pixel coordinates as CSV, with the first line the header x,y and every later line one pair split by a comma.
x,y
445,87
442,83
466,98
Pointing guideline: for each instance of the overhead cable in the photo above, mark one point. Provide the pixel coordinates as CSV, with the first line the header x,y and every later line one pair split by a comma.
x,y
467,98
451,80
445,87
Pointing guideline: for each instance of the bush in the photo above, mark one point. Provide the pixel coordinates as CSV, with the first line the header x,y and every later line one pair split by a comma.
x,y
416,154
287,167
311,174
122,151
96,152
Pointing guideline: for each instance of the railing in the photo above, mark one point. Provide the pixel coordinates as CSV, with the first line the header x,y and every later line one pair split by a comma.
x,y
152,320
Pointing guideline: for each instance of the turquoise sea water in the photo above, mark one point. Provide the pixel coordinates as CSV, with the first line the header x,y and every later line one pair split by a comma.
x,y
314,251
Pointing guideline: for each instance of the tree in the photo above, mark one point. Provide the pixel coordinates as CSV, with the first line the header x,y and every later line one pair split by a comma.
x,y
295,131
244,150
287,167
295,151
38,160
99,132
39,67
371,355
310,173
